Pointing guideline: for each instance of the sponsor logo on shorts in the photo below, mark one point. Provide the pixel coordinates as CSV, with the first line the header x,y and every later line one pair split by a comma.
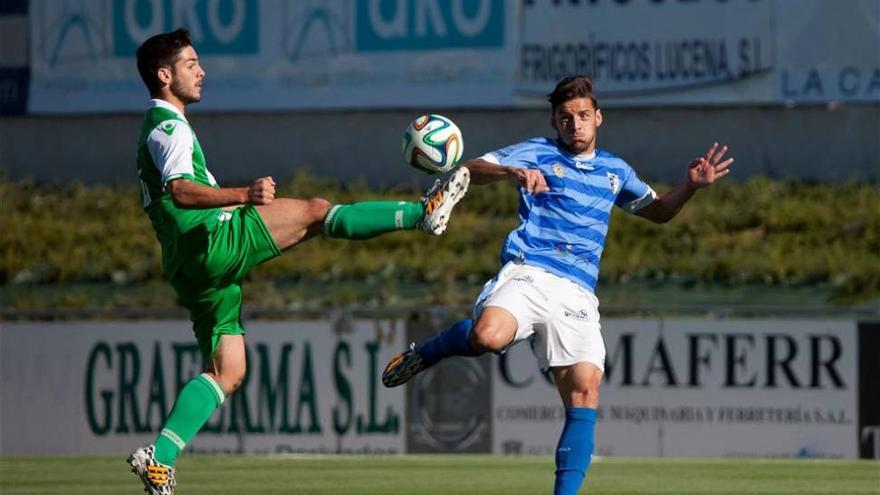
x,y
581,315
525,278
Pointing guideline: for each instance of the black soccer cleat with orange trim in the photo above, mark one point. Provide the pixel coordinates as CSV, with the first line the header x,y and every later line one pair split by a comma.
x,y
403,367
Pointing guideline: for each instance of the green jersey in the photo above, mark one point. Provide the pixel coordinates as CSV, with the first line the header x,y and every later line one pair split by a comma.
x,y
168,150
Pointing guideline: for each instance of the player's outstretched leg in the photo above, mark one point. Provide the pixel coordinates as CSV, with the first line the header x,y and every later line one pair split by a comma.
x,y
158,478
456,341
369,219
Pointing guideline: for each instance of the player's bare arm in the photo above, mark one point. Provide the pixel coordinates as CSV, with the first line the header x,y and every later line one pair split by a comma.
x,y
702,172
188,194
485,172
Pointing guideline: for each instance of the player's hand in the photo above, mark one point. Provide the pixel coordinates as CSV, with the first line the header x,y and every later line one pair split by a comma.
x,y
262,191
708,168
532,180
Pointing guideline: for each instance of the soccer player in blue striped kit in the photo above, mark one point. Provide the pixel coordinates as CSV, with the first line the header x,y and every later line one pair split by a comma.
x,y
545,289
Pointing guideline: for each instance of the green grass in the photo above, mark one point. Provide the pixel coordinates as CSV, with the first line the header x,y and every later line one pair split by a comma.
x,y
430,475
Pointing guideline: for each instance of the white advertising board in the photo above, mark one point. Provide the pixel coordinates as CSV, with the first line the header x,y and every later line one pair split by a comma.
x,y
277,54
106,387
828,51
424,54
648,51
756,388
681,387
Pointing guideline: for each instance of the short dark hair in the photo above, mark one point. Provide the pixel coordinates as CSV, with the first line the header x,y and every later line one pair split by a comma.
x,y
570,88
160,51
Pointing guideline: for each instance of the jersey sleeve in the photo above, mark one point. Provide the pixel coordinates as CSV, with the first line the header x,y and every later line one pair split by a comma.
x,y
171,147
520,155
635,194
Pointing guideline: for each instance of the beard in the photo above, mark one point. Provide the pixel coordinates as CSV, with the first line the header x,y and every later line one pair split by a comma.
x,y
182,94
575,146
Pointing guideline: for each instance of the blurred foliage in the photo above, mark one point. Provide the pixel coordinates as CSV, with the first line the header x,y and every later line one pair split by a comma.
x,y
757,233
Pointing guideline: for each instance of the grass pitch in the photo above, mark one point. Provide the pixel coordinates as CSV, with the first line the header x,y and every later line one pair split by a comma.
x,y
435,475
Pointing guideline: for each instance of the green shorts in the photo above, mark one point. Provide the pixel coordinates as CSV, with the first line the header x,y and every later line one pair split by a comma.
x,y
209,286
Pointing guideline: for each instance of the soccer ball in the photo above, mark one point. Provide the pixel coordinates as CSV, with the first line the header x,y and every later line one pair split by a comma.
x,y
432,144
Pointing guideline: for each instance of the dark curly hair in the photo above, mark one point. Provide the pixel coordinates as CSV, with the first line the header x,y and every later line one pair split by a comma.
x,y
160,51
570,88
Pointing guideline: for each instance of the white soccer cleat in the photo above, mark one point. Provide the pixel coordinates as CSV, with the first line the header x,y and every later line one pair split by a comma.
x,y
158,479
441,198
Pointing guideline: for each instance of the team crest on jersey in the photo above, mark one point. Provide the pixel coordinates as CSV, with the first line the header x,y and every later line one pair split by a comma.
x,y
614,182
558,170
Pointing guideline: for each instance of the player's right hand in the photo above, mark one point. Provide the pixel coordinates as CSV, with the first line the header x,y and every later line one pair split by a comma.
x,y
532,180
262,191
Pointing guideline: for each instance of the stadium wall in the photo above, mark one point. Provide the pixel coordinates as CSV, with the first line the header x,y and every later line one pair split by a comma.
x,y
673,388
816,143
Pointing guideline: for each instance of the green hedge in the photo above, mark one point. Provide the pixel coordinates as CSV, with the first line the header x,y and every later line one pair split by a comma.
x,y
761,232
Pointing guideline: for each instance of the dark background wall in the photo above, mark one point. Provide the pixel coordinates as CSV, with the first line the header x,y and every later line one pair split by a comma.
x,y
806,142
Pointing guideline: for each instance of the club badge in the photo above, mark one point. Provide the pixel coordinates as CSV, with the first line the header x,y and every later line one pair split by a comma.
x,y
614,181
558,170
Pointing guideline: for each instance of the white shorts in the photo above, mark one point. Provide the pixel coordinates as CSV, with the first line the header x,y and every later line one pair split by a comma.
x,y
562,316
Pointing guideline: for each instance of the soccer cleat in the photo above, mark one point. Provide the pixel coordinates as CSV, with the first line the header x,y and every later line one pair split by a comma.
x,y
403,367
158,479
441,198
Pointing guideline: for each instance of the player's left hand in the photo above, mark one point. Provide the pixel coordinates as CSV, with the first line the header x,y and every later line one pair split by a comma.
x,y
708,168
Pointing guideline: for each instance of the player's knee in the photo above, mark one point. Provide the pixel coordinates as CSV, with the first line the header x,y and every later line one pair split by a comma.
x,y
231,380
585,395
488,338
318,208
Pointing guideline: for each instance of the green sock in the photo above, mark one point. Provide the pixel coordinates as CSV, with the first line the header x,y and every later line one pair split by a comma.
x,y
195,404
371,218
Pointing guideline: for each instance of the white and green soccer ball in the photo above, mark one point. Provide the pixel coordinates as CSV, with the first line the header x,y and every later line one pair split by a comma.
x,y
432,144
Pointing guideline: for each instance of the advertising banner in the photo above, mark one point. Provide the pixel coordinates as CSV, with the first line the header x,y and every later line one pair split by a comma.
x,y
672,388
448,406
828,51
106,387
650,51
424,54
279,54
681,388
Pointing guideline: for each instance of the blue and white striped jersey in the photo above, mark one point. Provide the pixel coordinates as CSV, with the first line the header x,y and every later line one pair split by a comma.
x,y
563,230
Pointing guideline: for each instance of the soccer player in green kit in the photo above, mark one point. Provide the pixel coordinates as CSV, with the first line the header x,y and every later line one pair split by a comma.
x,y
212,236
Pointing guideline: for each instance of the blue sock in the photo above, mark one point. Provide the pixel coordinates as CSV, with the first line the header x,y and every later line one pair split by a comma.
x,y
574,449
456,341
